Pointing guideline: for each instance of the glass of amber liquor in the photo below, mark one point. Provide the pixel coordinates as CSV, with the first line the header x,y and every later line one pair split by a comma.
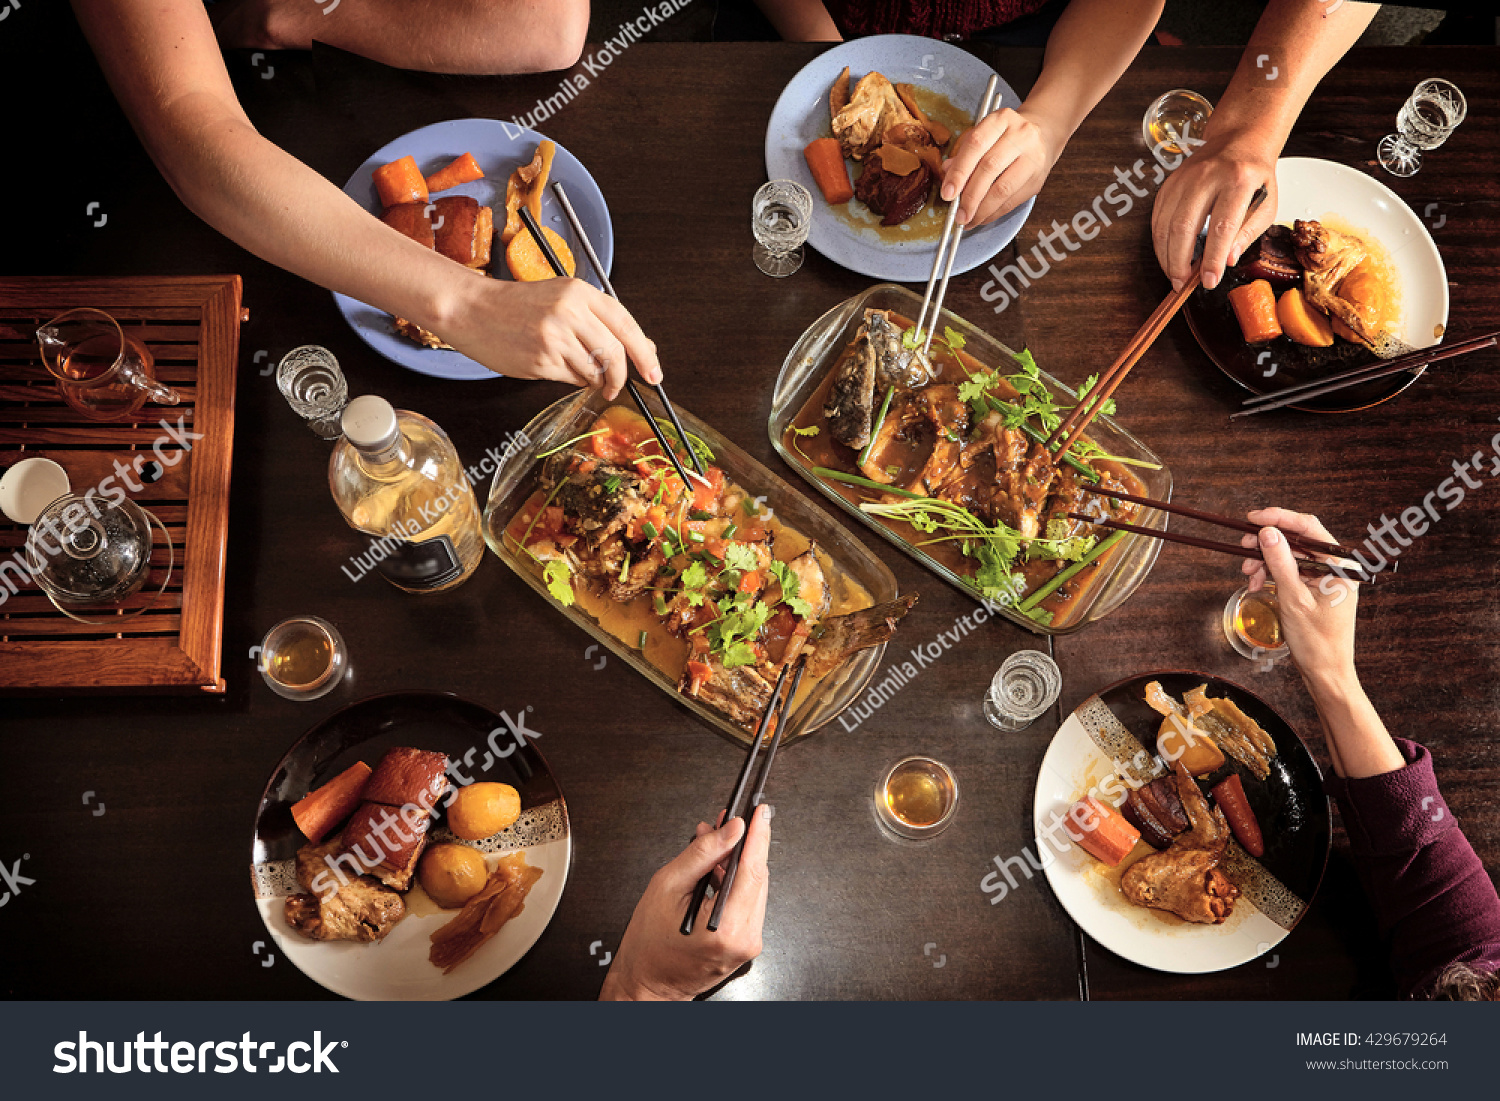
x,y
1252,624
917,798
303,658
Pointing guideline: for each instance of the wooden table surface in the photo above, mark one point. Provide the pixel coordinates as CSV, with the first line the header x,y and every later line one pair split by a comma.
x,y
151,899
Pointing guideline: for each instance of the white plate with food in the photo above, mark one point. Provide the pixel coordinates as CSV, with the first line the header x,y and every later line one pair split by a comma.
x,y
1348,275
450,216
1193,866
904,93
411,847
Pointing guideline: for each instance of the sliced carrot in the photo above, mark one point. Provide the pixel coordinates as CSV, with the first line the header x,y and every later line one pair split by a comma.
x,y
317,812
825,159
1255,308
400,182
460,170
525,259
1101,832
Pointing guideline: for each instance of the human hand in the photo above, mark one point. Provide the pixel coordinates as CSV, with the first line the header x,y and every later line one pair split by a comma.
x,y
559,329
999,164
656,962
1217,184
1317,618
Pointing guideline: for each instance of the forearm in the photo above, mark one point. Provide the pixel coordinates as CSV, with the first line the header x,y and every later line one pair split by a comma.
x,y
1092,44
801,20
276,207
1294,45
1358,741
456,36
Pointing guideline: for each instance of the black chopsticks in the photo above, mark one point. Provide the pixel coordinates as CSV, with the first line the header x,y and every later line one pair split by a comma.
x,y
1298,543
738,805
593,257
1356,376
635,393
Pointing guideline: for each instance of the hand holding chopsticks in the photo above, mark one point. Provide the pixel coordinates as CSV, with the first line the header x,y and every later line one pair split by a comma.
x,y
1298,543
744,799
635,394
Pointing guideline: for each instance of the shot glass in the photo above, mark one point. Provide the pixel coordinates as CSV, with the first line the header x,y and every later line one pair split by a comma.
x,y
1026,685
309,378
1173,125
781,216
1252,624
917,798
1430,114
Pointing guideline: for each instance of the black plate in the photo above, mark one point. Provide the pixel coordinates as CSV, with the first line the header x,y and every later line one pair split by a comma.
x,y
366,729
1213,324
1289,804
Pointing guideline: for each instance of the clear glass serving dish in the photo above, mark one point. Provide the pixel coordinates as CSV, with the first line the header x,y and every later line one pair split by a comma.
x,y
816,353
859,579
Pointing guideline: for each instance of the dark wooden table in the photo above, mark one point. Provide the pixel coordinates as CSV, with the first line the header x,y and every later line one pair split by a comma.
x,y
152,898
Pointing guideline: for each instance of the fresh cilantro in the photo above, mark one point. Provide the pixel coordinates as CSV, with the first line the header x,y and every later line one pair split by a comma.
x,y
694,581
559,579
954,339
791,587
740,556
737,654
1093,380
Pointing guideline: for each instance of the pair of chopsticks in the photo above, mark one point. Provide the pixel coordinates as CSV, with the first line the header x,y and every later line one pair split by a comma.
x,y
635,393
1414,362
738,805
947,249
1083,414
1298,543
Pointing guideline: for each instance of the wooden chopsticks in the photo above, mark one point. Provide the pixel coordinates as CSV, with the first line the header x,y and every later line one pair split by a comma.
x,y
1298,543
738,804
588,250
1415,361
947,249
1088,407
635,393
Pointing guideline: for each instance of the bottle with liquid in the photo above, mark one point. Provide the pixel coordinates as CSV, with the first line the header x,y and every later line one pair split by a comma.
x,y
396,477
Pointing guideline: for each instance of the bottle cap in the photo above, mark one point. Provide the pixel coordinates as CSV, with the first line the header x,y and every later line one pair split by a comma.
x,y
30,486
369,423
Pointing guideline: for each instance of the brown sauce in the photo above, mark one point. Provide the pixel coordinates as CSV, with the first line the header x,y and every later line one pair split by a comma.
x,y
823,450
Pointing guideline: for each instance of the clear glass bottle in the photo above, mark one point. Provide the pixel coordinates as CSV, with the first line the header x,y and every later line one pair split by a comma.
x,y
396,477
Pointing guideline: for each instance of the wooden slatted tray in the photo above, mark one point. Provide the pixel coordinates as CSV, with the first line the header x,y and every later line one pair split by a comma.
x,y
191,324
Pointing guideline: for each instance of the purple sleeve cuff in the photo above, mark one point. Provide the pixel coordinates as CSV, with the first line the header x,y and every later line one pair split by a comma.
x,y
1431,894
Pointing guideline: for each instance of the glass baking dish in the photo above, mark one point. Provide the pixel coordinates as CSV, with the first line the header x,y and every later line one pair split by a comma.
x,y
857,576
818,350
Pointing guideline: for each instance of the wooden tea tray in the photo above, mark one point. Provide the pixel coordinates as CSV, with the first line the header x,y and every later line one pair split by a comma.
x,y
191,324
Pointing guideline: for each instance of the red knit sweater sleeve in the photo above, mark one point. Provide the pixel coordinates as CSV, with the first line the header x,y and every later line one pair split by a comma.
x,y
933,18
1433,899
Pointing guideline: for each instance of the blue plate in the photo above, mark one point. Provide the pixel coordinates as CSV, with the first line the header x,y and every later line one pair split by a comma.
x,y
500,148
801,115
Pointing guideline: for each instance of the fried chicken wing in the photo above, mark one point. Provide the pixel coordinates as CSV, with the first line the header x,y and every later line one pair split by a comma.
x,y
1185,879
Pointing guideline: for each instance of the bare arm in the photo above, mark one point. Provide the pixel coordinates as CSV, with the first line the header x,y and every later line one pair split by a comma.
x,y
801,20
163,63
1294,45
1004,161
435,36
1318,618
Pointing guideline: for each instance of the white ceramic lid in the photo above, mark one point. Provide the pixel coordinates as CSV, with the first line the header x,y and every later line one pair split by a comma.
x,y
30,486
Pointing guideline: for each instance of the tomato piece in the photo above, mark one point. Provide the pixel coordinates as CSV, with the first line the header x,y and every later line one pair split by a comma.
x,y
656,516
707,497
716,546
750,533
751,581
698,674
612,448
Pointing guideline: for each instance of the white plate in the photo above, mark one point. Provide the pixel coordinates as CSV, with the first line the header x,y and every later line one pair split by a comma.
x,y
1313,189
801,114
1074,764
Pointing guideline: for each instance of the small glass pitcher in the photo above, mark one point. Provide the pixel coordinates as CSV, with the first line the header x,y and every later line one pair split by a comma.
x,y
103,373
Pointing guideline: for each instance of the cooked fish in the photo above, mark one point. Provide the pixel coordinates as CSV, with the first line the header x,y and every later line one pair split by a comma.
x,y
1236,733
836,638
877,362
601,496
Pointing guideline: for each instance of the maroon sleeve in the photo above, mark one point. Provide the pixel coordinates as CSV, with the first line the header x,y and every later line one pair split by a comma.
x,y
1434,900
